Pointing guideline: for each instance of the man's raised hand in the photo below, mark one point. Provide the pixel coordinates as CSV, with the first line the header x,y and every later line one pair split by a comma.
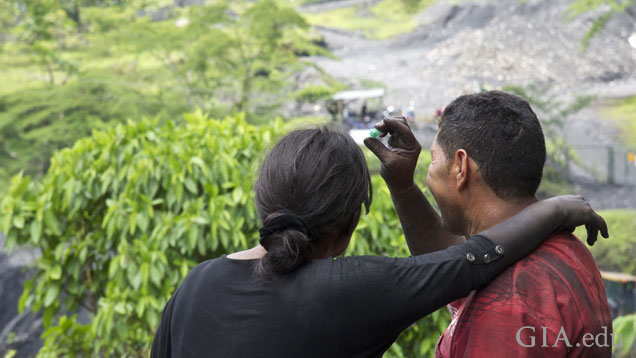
x,y
398,161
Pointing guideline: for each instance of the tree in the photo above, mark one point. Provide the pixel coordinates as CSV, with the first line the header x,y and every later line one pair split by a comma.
x,y
122,216
91,72
228,62
56,100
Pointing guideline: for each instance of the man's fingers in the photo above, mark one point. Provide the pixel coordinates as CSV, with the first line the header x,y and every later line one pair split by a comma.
x,y
399,127
384,125
592,233
377,148
603,226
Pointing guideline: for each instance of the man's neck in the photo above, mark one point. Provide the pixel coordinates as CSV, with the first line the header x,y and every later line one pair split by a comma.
x,y
488,213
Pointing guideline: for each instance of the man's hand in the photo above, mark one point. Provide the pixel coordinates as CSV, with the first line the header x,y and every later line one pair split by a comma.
x,y
399,161
522,233
422,226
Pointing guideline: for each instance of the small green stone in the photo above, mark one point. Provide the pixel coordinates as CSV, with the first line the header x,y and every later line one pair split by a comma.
x,y
374,133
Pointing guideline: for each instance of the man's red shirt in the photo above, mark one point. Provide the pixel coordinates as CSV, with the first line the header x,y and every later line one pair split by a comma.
x,y
558,285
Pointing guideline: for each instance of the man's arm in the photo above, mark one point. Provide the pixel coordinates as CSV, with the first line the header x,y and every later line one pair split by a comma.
x,y
421,224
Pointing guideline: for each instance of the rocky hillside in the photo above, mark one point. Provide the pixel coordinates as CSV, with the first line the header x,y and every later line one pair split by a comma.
x,y
492,42
462,45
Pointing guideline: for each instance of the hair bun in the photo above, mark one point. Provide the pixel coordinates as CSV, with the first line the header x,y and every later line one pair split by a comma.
x,y
285,220
286,251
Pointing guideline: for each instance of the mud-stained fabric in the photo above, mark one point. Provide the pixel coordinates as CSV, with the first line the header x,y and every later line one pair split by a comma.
x,y
558,285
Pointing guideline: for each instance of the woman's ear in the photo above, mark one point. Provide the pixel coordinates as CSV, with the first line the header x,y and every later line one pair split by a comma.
x,y
341,244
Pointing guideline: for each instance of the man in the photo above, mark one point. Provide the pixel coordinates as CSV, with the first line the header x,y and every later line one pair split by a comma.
x,y
487,163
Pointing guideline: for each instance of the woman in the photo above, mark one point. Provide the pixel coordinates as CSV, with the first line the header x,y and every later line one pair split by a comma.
x,y
288,296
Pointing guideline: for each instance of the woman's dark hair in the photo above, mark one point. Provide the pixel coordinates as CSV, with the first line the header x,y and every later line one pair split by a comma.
x,y
313,183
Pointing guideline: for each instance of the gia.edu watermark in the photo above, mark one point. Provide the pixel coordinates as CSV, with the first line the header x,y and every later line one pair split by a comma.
x,y
589,340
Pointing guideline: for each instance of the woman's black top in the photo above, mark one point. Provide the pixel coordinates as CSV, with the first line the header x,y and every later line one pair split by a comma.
x,y
342,307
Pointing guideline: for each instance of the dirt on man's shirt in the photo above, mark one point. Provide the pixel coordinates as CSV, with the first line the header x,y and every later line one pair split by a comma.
x,y
556,293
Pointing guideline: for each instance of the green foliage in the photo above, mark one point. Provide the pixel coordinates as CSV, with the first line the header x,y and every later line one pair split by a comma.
x,y
625,326
36,122
220,62
604,9
623,112
420,339
312,94
618,253
122,216
73,67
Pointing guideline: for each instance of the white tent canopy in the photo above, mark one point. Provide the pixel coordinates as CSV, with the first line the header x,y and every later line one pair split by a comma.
x,y
361,94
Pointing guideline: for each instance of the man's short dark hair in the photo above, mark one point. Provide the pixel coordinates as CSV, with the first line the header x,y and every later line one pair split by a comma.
x,y
502,134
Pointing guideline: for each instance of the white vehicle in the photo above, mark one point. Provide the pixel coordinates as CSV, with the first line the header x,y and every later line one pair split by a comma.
x,y
358,110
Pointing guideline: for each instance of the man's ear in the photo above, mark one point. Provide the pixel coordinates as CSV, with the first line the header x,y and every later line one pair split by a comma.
x,y
461,169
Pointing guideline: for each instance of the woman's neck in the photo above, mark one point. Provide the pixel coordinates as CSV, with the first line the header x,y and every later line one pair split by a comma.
x,y
325,247
254,253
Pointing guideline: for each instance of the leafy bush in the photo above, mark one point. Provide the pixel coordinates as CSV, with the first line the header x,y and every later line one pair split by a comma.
x,y
122,216
626,327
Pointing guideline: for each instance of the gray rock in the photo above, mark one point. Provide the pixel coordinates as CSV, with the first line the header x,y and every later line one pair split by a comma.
x,y
20,332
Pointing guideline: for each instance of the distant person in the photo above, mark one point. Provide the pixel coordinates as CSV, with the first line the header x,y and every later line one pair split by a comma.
x,y
289,297
365,117
438,113
487,163
410,112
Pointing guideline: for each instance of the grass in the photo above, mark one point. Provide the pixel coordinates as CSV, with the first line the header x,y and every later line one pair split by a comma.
x,y
386,19
623,113
617,253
